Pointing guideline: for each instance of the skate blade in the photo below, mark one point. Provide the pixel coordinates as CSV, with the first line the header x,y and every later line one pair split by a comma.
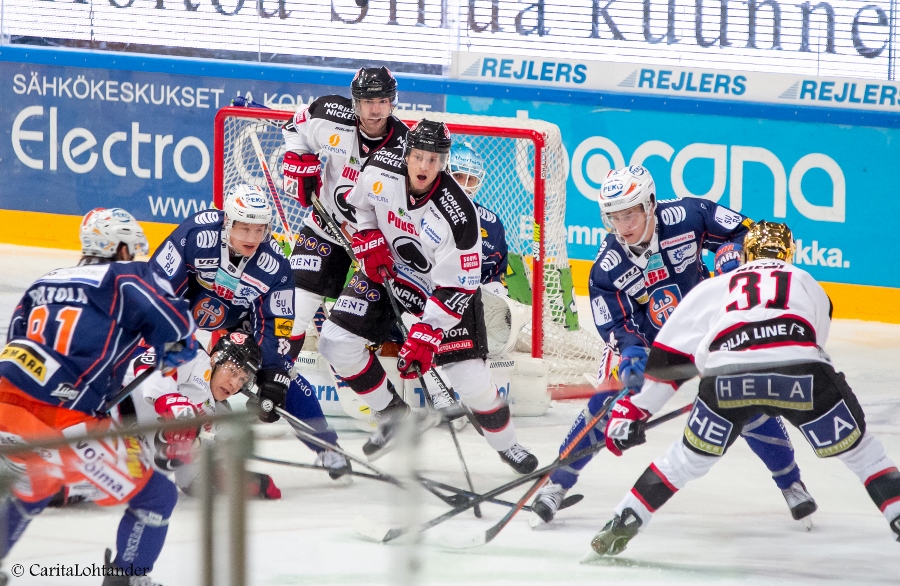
x,y
807,522
591,557
345,480
534,521
374,531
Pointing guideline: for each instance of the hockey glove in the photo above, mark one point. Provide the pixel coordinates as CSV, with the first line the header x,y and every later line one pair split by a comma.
x,y
728,258
371,250
625,428
177,353
632,365
261,486
273,385
417,354
173,446
301,176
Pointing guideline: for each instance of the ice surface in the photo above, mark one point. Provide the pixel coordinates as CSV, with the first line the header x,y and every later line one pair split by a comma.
x,y
731,527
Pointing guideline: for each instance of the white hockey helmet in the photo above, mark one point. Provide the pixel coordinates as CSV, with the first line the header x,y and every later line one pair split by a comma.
x,y
623,189
464,160
247,203
104,229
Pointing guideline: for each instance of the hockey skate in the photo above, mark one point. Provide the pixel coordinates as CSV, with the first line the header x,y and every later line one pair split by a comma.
x,y
338,466
123,580
546,503
895,526
615,535
519,459
800,502
390,419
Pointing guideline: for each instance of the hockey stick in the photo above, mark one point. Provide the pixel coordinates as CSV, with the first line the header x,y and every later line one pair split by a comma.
x,y
385,534
566,502
378,477
273,191
398,315
300,428
126,391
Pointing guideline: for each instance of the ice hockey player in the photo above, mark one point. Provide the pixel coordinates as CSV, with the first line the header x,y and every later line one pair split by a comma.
x,y
414,222
69,340
200,387
236,277
327,144
756,339
647,263
467,168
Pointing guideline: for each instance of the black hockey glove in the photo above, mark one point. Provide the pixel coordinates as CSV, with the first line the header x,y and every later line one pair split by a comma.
x,y
273,386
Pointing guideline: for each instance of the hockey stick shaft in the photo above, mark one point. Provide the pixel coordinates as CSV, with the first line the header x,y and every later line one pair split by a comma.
x,y
127,390
273,191
541,473
378,477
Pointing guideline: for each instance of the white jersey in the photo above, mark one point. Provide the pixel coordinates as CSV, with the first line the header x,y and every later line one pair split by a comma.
x,y
766,313
435,241
328,128
190,380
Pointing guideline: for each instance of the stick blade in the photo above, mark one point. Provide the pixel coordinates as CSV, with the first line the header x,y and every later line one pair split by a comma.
x,y
373,531
457,540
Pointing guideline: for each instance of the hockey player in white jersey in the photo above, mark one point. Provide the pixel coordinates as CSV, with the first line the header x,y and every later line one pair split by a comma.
x,y
327,144
756,338
200,387
414,222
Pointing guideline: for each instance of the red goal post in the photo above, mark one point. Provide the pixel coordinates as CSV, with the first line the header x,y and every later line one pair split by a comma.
x,y
530,205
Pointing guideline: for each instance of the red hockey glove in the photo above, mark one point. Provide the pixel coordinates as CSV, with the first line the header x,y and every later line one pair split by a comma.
x,y
372,252
261,486
173,447
301,176
417,353
625,428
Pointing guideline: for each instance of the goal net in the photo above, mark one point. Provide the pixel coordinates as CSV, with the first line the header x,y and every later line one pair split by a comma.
x,y
530,204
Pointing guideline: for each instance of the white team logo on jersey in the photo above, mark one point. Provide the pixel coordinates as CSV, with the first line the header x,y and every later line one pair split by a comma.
x,y
268,263
610,261
674,215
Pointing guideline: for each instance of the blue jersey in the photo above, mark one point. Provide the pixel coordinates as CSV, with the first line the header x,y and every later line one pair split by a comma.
x,y
72,334
632,296
258,290
493,247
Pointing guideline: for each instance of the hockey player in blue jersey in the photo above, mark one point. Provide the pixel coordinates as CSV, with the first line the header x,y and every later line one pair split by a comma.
x,y
236,277
647,263
69,342
467,168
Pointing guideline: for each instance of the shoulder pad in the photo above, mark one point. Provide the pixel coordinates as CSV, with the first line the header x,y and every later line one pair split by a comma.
x,y
388,158
333,108
486,214
458,210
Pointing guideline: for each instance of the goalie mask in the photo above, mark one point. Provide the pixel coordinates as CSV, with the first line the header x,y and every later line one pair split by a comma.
x,y
624,189
467,167
238,355
769,240
247,204
104,230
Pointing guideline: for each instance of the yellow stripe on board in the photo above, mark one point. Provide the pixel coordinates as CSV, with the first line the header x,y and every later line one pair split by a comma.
x,y
865,302
59,231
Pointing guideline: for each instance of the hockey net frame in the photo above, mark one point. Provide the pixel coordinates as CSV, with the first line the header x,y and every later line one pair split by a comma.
x,y
531,206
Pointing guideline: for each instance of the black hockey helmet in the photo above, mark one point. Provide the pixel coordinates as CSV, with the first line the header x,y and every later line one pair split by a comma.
x,y
428,135
374,82
240,349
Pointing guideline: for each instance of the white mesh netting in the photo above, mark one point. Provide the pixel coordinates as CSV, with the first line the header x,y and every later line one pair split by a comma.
x,y
508,190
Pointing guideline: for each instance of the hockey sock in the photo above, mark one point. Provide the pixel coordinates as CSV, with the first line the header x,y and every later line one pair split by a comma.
x,y
497,426
567,476
769,440
143,528
868,460
370,383
18,515
303,403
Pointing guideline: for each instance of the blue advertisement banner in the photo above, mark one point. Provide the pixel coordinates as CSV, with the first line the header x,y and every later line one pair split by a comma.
x,y
832,184
76,138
